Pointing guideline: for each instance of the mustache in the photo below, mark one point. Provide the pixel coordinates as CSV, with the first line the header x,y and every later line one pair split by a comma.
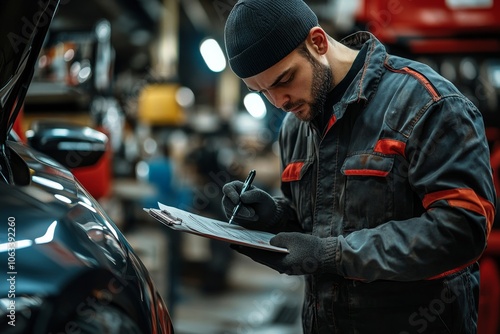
x,y
292,105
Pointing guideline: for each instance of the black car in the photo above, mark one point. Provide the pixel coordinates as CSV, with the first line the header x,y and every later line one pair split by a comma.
x,y
66,267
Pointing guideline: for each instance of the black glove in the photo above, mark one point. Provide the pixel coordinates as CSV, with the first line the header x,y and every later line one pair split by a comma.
x,y
258,210
307,254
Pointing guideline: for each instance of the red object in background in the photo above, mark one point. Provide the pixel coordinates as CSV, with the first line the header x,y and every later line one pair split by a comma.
x,y
18,125
429,18
493,244
97,178
493,135
489,301
434,26
489,309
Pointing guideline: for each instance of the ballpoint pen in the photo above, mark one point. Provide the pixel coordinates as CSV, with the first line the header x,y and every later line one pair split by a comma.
x,y
246,186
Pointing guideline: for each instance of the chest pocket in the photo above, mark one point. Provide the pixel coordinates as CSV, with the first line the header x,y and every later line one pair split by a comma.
x,y
368,190
298,177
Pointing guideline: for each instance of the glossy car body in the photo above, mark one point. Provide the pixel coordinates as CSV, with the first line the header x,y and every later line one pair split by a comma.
x,y
66,267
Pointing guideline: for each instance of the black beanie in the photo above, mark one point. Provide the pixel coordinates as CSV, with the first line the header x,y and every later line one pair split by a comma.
x,y
259,33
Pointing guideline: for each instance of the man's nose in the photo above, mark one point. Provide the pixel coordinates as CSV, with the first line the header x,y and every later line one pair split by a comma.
x,y
277,98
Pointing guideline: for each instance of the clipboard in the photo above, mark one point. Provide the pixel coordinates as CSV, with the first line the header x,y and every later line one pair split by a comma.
x,y
184,221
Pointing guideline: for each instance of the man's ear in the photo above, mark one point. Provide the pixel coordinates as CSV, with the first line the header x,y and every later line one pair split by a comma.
x,y
318,40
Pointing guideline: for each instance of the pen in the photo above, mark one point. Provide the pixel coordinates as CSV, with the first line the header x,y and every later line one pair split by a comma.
x,y
246,185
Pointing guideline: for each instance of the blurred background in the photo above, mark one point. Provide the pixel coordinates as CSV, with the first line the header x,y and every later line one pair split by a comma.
x,y
152,75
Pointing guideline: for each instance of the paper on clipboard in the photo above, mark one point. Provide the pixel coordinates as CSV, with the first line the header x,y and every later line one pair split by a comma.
x,y
184,221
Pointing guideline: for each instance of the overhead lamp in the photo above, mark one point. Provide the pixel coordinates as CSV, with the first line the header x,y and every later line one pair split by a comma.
x,y
255,105
468,68
185,97
213,55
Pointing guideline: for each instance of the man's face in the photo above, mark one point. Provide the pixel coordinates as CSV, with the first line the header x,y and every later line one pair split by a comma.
x,y
299,84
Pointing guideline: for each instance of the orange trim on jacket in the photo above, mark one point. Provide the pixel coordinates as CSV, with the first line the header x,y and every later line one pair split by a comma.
x,y
390,146
366,172
466,199
332,121
430,88
292,172
452,271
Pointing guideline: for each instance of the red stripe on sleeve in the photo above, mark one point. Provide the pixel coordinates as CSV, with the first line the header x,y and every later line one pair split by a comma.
x,y
466,199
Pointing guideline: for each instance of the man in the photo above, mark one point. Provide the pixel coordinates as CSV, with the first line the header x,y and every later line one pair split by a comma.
x,y
387,189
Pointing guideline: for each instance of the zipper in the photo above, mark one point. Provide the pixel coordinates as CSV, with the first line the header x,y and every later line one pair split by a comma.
x,y
314,146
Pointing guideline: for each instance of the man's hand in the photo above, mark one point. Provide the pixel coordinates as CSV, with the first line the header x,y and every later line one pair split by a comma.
x,y
259,210
307,254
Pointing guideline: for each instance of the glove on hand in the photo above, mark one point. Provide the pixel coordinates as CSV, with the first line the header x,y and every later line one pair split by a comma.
x,y
307,254
258,210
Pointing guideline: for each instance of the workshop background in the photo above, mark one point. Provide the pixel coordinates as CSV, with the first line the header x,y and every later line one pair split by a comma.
x,y
152,75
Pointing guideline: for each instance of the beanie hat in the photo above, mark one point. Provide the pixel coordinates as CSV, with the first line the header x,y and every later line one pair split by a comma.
x,y
259,33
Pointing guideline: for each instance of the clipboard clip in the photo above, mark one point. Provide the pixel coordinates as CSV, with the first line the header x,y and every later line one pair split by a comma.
x,y
174,220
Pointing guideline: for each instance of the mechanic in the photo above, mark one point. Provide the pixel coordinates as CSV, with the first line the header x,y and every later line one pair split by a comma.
x,y
387,193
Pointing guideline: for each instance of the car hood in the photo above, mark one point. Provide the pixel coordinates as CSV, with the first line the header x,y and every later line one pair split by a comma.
x,y
55,230
23,27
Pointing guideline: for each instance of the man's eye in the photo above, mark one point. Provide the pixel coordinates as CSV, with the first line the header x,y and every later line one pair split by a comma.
x,y
287,81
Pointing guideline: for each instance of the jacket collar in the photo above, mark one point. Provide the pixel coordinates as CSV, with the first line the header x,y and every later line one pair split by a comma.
x,y
364,85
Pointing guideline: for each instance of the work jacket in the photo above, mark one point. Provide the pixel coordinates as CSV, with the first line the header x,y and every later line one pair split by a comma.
x,y
400,182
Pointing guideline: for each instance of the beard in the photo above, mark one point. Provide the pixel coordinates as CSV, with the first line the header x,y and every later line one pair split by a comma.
x,y
322,84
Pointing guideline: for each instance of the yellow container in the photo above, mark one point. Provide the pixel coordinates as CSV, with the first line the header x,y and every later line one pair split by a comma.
x,y
158,105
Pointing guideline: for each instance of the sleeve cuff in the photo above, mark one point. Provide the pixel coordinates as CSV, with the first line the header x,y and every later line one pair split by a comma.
x,y
329,263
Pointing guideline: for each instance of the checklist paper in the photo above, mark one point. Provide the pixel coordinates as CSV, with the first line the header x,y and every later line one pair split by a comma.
x,y
184,221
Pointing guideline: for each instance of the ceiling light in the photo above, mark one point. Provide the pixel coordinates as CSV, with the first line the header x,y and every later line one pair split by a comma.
x,y
213,55
255,105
